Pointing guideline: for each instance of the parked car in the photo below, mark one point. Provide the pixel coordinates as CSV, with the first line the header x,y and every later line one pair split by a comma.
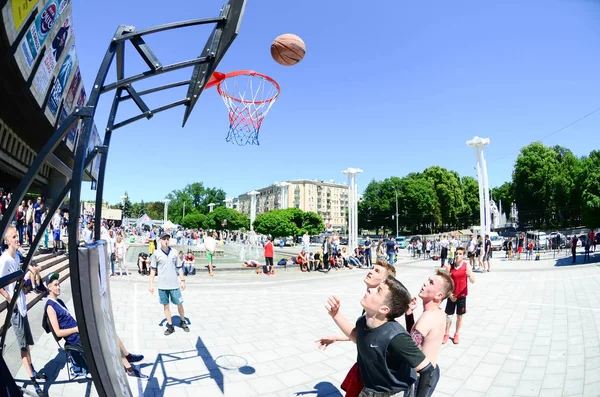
x,y
343,240
401,242
497,241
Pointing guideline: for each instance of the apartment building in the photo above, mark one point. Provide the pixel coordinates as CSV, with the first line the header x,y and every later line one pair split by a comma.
x,y
328,199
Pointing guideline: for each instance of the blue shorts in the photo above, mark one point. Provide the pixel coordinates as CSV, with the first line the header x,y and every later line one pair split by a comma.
x,y
56,234
173,294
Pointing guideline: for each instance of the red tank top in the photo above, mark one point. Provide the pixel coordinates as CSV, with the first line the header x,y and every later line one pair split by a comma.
x,y
459,276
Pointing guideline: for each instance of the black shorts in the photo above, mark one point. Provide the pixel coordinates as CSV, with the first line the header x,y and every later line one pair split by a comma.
x,y
470,255
461,304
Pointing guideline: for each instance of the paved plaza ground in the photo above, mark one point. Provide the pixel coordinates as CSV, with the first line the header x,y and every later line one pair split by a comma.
x,y
531,330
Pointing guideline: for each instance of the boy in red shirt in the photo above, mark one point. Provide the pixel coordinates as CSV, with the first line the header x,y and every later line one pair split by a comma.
x,y
460,271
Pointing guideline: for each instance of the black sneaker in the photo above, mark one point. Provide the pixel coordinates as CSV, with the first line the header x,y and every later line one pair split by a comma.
x,y
170,329
135,373
40,376
183,325
134,358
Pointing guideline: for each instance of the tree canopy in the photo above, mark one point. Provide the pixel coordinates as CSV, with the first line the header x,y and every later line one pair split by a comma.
x,y
288,222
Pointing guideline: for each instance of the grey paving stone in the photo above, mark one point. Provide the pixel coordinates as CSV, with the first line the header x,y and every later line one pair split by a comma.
x,y
501,391
477,383
528,388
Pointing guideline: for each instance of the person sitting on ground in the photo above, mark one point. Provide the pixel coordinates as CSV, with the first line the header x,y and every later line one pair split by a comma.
x,y
143,264
318,260
311,262
302,261
354,260
189,264
64,325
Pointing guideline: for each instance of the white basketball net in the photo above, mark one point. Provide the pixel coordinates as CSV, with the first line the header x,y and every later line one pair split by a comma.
x,y
248,99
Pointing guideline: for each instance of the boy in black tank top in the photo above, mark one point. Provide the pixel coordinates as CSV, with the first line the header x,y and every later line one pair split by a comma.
x,y
387,356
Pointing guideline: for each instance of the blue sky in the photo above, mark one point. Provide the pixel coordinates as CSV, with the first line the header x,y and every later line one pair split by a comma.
x,y
389,87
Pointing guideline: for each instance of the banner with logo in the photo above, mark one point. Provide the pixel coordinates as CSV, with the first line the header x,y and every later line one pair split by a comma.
x,y
38,32
61,81
21,10
72,92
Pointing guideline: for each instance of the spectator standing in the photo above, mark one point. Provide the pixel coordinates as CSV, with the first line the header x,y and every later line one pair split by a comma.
x,y
20,218
38,211
55,225
268,252
120,253
210,245
390,247
368,254
169,267
9,263
29,221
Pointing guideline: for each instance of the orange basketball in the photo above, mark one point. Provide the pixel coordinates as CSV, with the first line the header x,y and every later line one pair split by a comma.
x,y
288,49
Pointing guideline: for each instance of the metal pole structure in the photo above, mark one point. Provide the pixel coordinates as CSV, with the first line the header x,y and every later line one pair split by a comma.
x,y
252,195
352,207
284,194
123,210
210,207
91,293
484,206
183,210
166,201
396,216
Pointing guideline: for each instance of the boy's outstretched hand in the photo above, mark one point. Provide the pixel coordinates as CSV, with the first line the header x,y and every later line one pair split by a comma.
x,y
333,306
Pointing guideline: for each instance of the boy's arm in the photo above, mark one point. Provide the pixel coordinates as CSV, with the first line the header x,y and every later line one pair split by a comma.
x,y
470,273
333,307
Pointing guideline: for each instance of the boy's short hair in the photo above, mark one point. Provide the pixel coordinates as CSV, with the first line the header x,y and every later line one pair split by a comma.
x,y
461,249
447,283
386,265
398,298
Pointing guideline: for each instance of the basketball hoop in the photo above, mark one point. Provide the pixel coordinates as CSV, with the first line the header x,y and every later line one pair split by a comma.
x,y
248,96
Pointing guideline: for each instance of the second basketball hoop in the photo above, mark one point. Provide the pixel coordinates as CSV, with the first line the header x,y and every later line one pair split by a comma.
x,y
248,96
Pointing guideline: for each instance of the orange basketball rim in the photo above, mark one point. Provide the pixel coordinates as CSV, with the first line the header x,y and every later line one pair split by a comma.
x,y
248,96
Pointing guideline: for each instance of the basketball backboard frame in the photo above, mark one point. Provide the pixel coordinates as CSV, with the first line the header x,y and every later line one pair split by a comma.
x,y
216,46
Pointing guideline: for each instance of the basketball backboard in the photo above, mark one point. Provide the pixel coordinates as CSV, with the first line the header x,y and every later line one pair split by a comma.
x,y
216,46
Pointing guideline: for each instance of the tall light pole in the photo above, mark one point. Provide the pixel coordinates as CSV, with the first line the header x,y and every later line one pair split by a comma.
x,y
485,212
352,207
183,211
123,198
284,194
210,207
252,195
166,201
396,216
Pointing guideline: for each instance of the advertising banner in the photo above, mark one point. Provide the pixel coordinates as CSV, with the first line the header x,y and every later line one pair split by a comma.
x,y
43,76
72,92
61,81
39,30
20,11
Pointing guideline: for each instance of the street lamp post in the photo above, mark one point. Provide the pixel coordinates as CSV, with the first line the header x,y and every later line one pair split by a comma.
x,y
166,201
352,207
123,198
396,216
252,195
210,207
484,192
284,194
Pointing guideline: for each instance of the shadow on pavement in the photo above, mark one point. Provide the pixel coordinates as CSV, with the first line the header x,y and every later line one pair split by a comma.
x,y
580,260
213,365
52,369
322,389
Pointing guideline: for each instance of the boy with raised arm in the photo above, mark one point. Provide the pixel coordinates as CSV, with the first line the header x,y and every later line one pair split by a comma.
x,y
387,356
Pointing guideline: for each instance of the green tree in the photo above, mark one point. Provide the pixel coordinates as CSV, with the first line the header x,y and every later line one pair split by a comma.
x,y
419,208
449,194
311,223
155,210
277,223
534,181
590,198
373,209
235,220
194,220
567,190
470,192
138,209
